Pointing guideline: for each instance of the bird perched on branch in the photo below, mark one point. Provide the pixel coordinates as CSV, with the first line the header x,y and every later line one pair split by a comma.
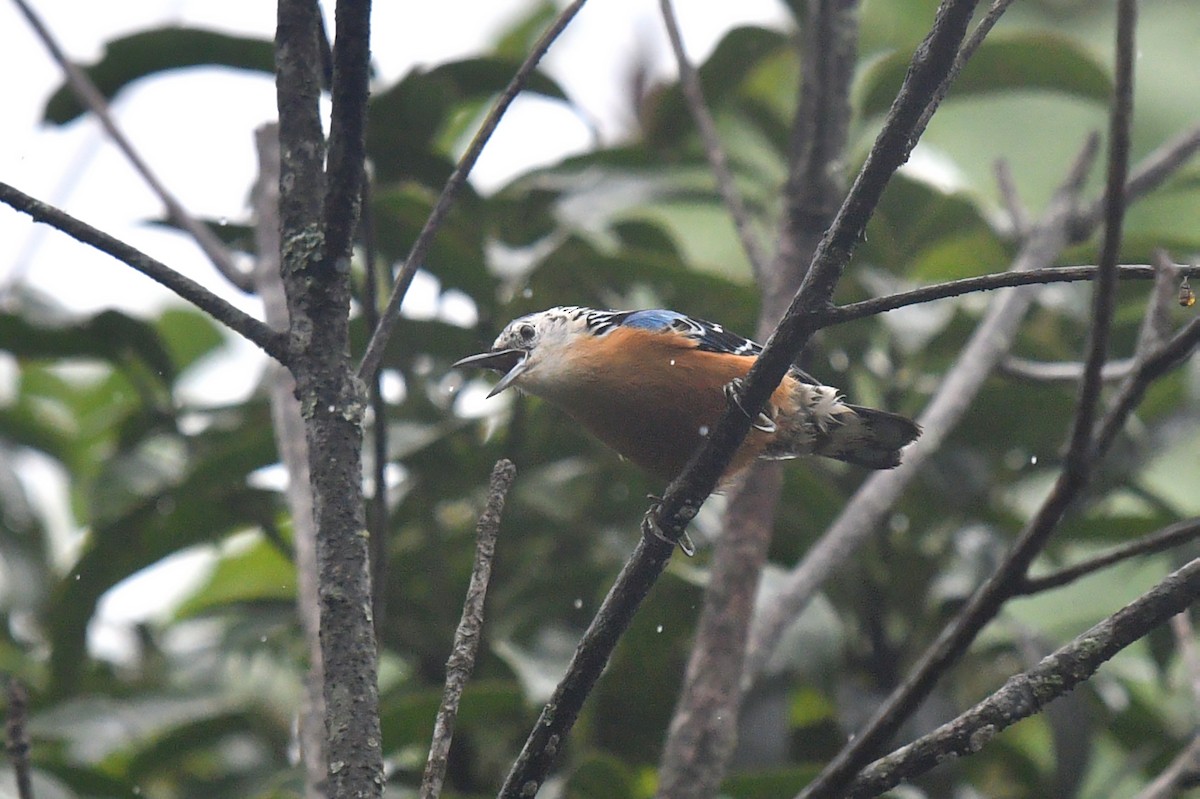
x,y
652,384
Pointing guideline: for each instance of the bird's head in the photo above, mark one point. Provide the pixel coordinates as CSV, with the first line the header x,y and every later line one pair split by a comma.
x,y
532,350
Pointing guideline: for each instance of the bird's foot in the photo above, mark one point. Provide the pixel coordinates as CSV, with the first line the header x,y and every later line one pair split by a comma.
x,y
650,528
762,421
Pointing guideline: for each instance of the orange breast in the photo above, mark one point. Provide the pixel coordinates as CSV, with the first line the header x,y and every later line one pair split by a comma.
x,y
655,398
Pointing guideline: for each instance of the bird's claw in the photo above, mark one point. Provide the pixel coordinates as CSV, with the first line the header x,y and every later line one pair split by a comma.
x,y
762,421
650,528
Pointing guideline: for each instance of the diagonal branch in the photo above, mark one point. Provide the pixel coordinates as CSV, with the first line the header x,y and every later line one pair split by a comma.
x,y
1166,538
470,628
391,312
705,726
930,65
271,342
93,99
1026,694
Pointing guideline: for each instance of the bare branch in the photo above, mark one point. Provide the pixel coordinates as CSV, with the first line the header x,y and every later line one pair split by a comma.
x,y
1166,538
93,99
1062,371
1075,463
1172,780
964,54
1025,694
1153,170
969,285
1018,215
391,312
875,497
271,342
470,627
693,94
17,743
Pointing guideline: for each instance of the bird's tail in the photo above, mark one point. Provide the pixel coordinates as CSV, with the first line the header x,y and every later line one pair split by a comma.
x,y
867,437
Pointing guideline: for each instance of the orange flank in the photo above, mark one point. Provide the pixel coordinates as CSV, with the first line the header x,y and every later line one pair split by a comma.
x,y
654,397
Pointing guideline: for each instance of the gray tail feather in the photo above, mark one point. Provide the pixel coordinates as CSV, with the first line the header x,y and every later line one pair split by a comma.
x,y
871,438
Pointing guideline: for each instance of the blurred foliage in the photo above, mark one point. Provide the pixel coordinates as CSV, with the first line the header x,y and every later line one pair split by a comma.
x,y
203,701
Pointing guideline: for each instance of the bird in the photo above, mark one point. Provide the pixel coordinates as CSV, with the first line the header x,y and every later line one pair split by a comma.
x,y
651,384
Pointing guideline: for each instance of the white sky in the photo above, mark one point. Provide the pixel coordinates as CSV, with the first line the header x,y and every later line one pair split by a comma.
x,y
195,130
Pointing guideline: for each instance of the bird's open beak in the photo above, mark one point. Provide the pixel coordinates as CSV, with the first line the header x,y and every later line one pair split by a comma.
x,y
511,362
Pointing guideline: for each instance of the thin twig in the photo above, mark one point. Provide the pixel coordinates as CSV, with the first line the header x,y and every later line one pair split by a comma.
x,y
1166,538
470,627
718,161
1018,215
416,256
1168,784
17,736
1078,456
377,503
1025,694
93,99
271,342
965,52
1062,371
968,285
1150,173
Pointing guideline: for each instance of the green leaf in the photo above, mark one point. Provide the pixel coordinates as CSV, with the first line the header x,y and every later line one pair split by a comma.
x,y
188,335
406,120
666,119
257,573
141,54
109,335
1005,62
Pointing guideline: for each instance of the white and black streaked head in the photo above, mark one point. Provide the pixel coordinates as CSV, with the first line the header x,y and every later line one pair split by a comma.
x,y
533,351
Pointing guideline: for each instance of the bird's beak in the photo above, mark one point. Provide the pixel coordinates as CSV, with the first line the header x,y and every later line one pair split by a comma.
x,y
511,362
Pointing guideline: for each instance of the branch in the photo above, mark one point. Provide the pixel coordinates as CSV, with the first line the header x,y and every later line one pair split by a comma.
x,y
704,729
93,99
317,221
1171,536
288,427
1062,371
693,95
1077,460
874,499
1174,777
416,256
1151,173
271,342
1025,694
470,627
17,735
986,602
964,54
699,478
968,285
347,129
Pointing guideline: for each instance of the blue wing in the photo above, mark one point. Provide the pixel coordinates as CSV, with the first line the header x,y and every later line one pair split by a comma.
x,y
709,336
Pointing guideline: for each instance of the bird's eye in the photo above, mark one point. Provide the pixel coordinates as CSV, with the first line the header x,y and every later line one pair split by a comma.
x,y
526,333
